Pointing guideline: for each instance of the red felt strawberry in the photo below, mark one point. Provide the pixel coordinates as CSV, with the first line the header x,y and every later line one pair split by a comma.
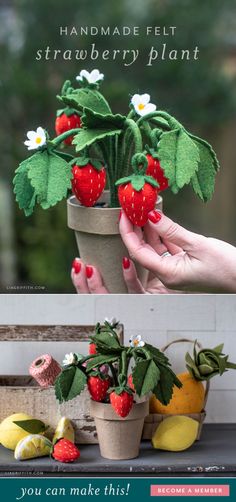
x,y
92,348
65,451
122,402
137,198
130,382
89,180
98,386
67,119
154,169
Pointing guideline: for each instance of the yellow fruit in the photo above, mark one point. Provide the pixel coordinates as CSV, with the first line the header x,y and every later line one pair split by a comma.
x,y
10,433
188,399
175,433
32,446
64,430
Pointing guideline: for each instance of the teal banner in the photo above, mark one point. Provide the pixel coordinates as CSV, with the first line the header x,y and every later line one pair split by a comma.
x,y
102,489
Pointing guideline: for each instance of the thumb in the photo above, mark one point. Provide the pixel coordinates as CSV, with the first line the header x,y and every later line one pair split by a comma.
x,y
169,231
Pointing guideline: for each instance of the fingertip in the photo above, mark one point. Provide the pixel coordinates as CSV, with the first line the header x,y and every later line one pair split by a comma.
x,y
155,216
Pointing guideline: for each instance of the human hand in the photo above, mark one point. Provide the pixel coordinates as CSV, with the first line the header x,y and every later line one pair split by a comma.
x,y
178,258
88,280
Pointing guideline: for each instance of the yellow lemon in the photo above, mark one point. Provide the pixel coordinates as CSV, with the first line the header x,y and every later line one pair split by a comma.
x,y
175,433
32,446
64,430
10,433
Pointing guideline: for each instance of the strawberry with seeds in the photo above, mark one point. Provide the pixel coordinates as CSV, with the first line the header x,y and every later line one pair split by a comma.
x,y
67,119
65,451
89,180
138,192
122,400
98,385
155,170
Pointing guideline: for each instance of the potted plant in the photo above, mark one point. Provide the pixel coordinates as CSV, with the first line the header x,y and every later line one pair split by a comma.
x,y
136,156
119,379
191,398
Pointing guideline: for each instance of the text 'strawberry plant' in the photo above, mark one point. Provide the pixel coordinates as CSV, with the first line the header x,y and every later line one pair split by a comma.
x,y
138,155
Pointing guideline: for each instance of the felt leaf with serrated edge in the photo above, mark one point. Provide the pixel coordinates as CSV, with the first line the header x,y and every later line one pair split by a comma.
x,y
203,182
33,426
106,340
86,98
50,176
145,376
100,360
70,383
86,137
164,388
93,120
25,194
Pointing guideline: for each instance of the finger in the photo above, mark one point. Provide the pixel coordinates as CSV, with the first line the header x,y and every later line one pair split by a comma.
x,y
78,277
132,281
94,281
153,239
171,232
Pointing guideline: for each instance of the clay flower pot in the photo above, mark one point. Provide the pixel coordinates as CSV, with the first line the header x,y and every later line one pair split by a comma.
x,y
119,438
99,242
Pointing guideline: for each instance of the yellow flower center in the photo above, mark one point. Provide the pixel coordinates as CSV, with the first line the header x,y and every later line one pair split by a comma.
x,y
135,342
38,140
141,106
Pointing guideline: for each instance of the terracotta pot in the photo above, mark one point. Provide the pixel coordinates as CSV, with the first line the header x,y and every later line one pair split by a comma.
x,y
119,438
99,242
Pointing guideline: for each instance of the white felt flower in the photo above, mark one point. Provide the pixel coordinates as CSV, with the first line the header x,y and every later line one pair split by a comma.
x,y
142,105
92,77
69,359
111,321
136,341
35,139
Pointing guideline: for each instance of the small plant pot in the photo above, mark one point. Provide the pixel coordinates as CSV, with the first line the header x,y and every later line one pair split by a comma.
x,y
99,241
119,438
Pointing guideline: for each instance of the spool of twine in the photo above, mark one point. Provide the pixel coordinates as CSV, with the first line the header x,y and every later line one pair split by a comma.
x,y
45,370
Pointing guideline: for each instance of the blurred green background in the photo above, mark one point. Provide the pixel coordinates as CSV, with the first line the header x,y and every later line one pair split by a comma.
x,y
37,252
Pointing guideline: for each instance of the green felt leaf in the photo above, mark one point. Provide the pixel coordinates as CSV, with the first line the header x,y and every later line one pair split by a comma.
x,y
50,177
87,98
100,360
145,376
94,120
219,348
87,137
203,182
137,182
70,383
106,341
179,157
159,356
33,426
25,194
164,388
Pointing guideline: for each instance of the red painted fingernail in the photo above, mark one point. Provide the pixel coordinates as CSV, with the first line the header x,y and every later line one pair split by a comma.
x,y
76,265
89,271
120,214
154,216
126,263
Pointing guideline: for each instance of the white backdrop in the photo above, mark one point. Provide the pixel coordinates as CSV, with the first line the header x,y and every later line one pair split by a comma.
x,y
159,319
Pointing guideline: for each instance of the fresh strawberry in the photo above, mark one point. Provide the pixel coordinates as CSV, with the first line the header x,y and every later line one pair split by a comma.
x,y
88,183
122,403
154,169
130,382
65,451
92,348
67,119
98,387
138,203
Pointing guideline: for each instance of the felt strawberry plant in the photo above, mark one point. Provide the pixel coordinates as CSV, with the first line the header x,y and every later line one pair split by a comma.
x,y
115,373
138,154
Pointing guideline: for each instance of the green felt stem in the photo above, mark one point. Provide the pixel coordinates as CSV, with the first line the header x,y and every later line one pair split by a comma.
x,y
114,375
56,141
137,137
124,363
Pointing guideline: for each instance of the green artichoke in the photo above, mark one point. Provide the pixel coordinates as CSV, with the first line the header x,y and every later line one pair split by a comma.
x,y
206,363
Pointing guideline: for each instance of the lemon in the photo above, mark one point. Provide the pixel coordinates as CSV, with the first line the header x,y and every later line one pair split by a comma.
x,y
10,433
32,446
64,430
175,433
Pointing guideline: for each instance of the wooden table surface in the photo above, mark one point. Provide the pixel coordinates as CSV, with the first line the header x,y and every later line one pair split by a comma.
x,y
213,455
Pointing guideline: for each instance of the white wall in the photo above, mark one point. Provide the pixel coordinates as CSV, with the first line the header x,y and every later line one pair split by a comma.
x,y
159,319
